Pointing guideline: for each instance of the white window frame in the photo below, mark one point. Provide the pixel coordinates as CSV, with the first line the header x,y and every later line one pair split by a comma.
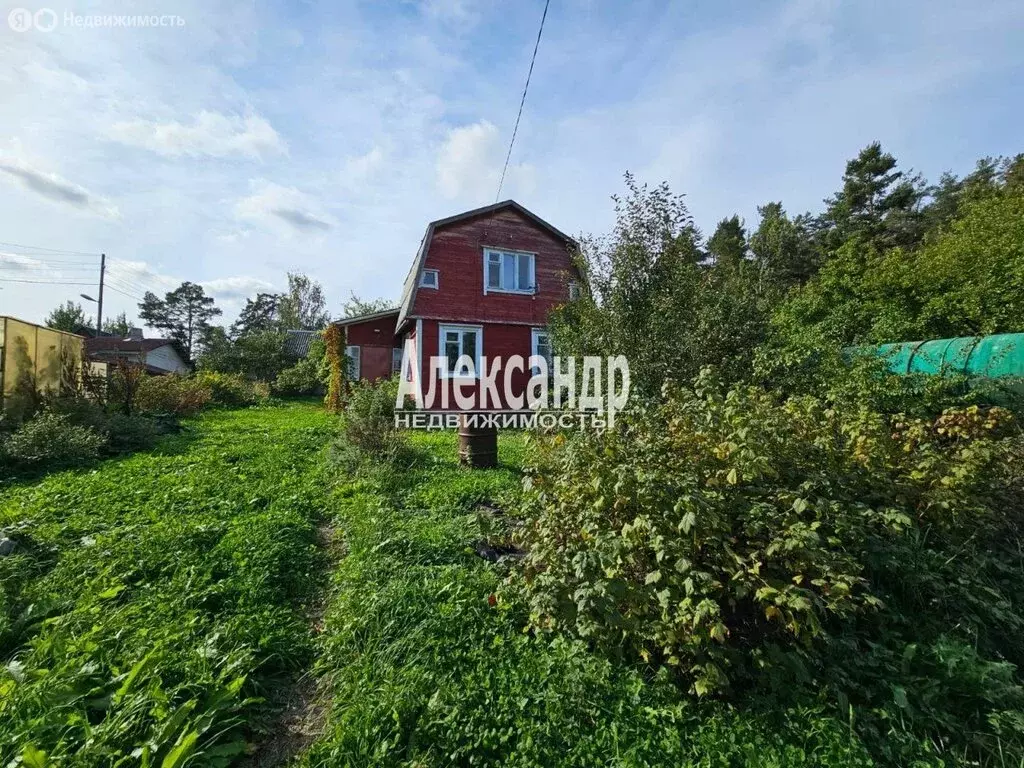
x,y
397,354
574,290
533,271
535,334
356,367
437,279
442,330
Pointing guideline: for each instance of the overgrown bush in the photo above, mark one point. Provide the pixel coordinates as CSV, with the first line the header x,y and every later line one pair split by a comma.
x,y
121,433
177,395
310,375
303,378
368,432
126,434
232,389
51,438
746,540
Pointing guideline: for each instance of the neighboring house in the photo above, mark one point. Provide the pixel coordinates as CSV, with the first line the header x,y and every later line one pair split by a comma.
x,y
160,356
296,343
482,285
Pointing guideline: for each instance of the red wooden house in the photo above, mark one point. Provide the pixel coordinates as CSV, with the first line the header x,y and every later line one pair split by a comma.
x,y
482,285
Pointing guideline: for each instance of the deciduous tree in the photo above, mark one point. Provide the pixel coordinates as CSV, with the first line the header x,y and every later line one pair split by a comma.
x,y
69,317
303,306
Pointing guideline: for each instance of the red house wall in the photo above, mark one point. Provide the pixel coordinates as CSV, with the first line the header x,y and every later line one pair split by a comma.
x,y
456,251
375,339
500,340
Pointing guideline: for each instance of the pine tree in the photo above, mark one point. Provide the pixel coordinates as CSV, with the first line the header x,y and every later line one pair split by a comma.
x,y
184,313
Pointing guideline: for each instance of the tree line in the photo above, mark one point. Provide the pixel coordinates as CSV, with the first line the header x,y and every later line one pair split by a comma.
x,y
890,257
253,345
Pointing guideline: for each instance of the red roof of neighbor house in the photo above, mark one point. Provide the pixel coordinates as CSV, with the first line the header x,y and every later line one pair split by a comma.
x,y
411,283
112,344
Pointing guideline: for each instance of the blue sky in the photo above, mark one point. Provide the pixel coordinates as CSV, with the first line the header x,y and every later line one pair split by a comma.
x,y
322,137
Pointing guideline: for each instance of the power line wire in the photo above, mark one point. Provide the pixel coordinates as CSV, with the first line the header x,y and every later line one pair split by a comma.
x,y
42,282
47,265
132,285
522,101
49,250
126,288
124,293
33,258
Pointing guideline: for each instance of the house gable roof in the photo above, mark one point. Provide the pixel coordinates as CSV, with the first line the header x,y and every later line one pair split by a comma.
x,y
101,344
365,318
411,283
297,341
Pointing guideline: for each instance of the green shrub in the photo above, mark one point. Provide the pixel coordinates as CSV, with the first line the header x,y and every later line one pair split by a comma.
x,y
303,378
51,438
178,395
126,434
231,389
368,432
743,539
123,434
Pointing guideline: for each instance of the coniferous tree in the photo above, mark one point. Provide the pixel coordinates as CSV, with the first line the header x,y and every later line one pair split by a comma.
x,y
728,245
783,248
878,203
259,314
183,313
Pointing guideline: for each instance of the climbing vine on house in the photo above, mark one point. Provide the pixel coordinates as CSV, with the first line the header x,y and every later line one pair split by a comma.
x,y
334,338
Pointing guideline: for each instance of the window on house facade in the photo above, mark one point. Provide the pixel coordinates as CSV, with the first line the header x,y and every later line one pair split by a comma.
x,y
541,346
396,359
429,278
574,290
509,271
352,353
458,341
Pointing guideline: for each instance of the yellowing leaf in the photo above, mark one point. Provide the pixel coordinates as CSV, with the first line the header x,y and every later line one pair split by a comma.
x,y
32,757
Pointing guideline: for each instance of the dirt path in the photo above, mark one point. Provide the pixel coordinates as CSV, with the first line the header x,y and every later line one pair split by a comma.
x,y
305,704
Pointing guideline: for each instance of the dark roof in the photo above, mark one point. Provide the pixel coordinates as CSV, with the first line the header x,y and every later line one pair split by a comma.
x,y
365,318
297,342
411,283
111,344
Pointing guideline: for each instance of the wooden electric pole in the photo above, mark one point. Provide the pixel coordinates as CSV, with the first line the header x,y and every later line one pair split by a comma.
x,y
99,302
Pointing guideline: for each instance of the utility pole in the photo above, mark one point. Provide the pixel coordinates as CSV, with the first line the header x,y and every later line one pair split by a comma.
x,y
99,303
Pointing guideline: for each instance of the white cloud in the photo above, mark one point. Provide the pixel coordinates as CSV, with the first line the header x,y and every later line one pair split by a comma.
x,y
285,210
454,12
470,162
210,134
764,102
360,168
236,288
16,262
55,188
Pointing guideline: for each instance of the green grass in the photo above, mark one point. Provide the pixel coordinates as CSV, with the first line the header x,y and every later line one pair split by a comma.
x,y
158,602
155,601
423,671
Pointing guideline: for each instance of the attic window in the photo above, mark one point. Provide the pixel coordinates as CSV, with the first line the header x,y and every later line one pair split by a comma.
x,y
428,279
508,271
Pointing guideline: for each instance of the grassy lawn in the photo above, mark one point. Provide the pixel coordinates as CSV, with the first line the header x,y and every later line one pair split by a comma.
x,y
156,601
424,671
158,605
